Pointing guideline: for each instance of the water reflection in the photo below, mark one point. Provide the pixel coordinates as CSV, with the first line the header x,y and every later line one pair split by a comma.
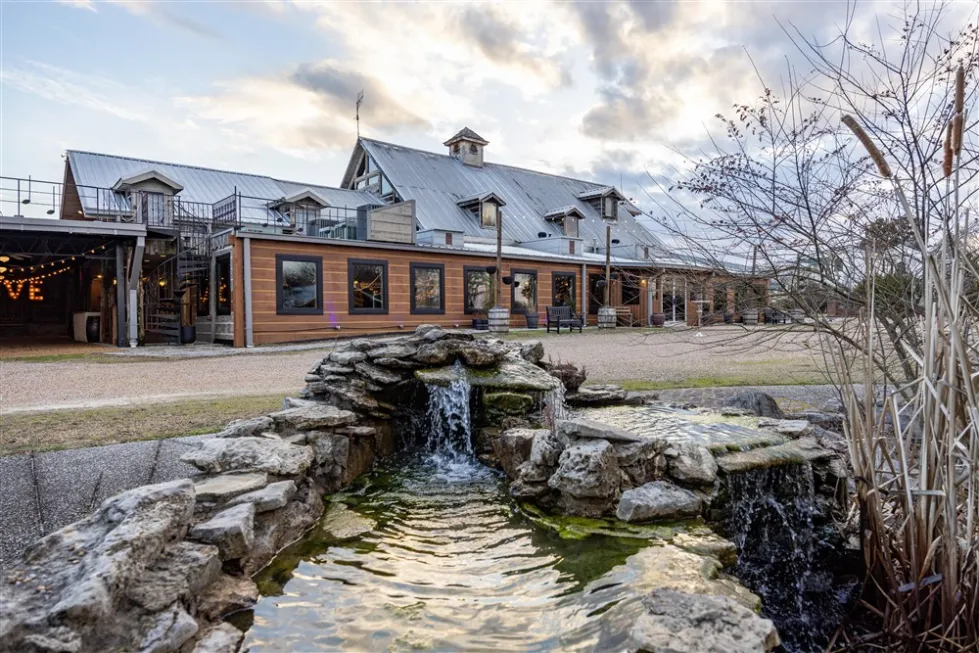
x,y
450,567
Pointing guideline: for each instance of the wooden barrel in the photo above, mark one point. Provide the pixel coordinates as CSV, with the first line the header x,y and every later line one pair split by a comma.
x,y
499,320
606,317
750,316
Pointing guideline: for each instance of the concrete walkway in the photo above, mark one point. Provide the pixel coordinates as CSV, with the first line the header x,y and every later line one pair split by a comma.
x,y
42,492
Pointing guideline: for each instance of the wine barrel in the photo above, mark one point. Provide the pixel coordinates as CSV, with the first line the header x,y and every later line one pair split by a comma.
x,y
499,320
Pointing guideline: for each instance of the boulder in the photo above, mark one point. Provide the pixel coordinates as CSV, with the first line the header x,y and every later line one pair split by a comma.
x,y
691,463
351,397
681,622
272,497
311,418
222,638
168,631
226,595
398,363
231,530
820,419
246,427
184,569
658,500
438,354
250,454
758,403
597,395
226,486
792,452
513,375
340,523
377,374
65,586
481,353
589,429
587,477
532,352
397,351
425,329
274,530
513,448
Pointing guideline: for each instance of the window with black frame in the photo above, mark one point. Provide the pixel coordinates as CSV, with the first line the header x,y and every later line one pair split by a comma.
x,y
564,289
298,285
368,286
427,283
477,290
524,289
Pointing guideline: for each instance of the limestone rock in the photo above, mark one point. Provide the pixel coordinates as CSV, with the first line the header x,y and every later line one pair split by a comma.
x,y
311,418
85,567
795,451
793,428
585,428
425,329
272,497
246,427
513,447
679,622
481,353
378,374
758,403
169,631
347,358
223,638
438,354
398,363
641,461
181,572
709,544
587,477
498,405
658,500
532,352
226,486
274,530
546,449
341,523
597,395
692,463
514,375
225,595
393,351
570,376
351,397
231,530
250,454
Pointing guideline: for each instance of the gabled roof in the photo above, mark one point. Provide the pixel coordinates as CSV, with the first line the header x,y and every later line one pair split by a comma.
x,y
601,192
466,134
563,212
125,183
478,198
304,194
437,183
100,172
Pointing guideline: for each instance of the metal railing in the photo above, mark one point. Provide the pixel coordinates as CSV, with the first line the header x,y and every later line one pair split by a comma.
x,y
49,199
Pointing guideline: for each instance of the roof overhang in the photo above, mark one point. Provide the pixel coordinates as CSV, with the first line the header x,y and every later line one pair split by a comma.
x,y
604,191
126,183
70,227
487,196
563,212
301,195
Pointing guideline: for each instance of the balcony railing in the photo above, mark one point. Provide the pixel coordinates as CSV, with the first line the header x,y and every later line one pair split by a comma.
x,y
46,199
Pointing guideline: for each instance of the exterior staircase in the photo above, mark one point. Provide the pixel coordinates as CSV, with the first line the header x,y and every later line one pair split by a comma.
x,y
184,272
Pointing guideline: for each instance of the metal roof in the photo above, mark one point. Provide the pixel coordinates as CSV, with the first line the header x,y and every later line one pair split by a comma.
x,y
437,182
204,185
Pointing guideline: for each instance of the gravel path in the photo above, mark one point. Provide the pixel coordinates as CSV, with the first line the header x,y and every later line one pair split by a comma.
x,y
723,354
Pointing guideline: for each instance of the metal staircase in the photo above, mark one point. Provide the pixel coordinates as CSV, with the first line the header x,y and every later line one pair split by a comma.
x,y
182,273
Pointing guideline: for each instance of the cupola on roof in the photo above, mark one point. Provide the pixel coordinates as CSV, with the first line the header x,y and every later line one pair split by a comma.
x,y
466,134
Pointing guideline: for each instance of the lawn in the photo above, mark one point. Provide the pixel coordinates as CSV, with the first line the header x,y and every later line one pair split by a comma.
x,y
70,428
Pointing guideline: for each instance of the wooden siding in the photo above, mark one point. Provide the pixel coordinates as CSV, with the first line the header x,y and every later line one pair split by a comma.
x,y
392,224
270,327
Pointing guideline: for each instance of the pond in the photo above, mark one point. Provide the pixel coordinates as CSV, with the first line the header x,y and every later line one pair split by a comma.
x,y
452,565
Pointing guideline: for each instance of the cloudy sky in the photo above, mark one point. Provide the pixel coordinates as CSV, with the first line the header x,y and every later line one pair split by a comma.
x,y
603,90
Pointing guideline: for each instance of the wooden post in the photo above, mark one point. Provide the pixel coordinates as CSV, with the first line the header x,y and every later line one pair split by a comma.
x,y
499,254
608,263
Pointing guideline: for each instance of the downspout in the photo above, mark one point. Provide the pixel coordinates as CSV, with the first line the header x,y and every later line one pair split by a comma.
x,y
247,267
135,268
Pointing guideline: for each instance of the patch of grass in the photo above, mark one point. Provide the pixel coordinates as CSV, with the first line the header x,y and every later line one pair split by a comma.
x,y
69,429
82,357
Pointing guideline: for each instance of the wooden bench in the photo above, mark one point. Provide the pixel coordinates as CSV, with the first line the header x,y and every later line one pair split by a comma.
x,y
563,316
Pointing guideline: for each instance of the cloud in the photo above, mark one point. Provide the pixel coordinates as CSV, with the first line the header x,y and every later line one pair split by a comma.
x,y
153,11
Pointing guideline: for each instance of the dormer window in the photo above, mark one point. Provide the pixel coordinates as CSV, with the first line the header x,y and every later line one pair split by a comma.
x,y
610,205
571,226
485,206
567,217
488,215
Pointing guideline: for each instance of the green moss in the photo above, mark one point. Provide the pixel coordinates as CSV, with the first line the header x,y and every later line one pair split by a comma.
x,y
579,528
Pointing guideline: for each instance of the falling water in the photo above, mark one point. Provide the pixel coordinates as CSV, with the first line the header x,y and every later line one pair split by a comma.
x,y
448,428
782,554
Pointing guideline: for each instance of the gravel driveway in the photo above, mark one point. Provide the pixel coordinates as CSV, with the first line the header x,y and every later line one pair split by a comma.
x,y
725,355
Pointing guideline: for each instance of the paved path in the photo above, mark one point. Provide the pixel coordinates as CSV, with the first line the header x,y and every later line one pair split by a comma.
x,y
722,353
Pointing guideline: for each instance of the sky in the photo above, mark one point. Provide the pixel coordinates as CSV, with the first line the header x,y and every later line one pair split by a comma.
x,y
610,91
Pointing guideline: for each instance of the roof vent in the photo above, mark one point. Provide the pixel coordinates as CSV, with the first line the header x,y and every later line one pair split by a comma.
x,y
467,146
